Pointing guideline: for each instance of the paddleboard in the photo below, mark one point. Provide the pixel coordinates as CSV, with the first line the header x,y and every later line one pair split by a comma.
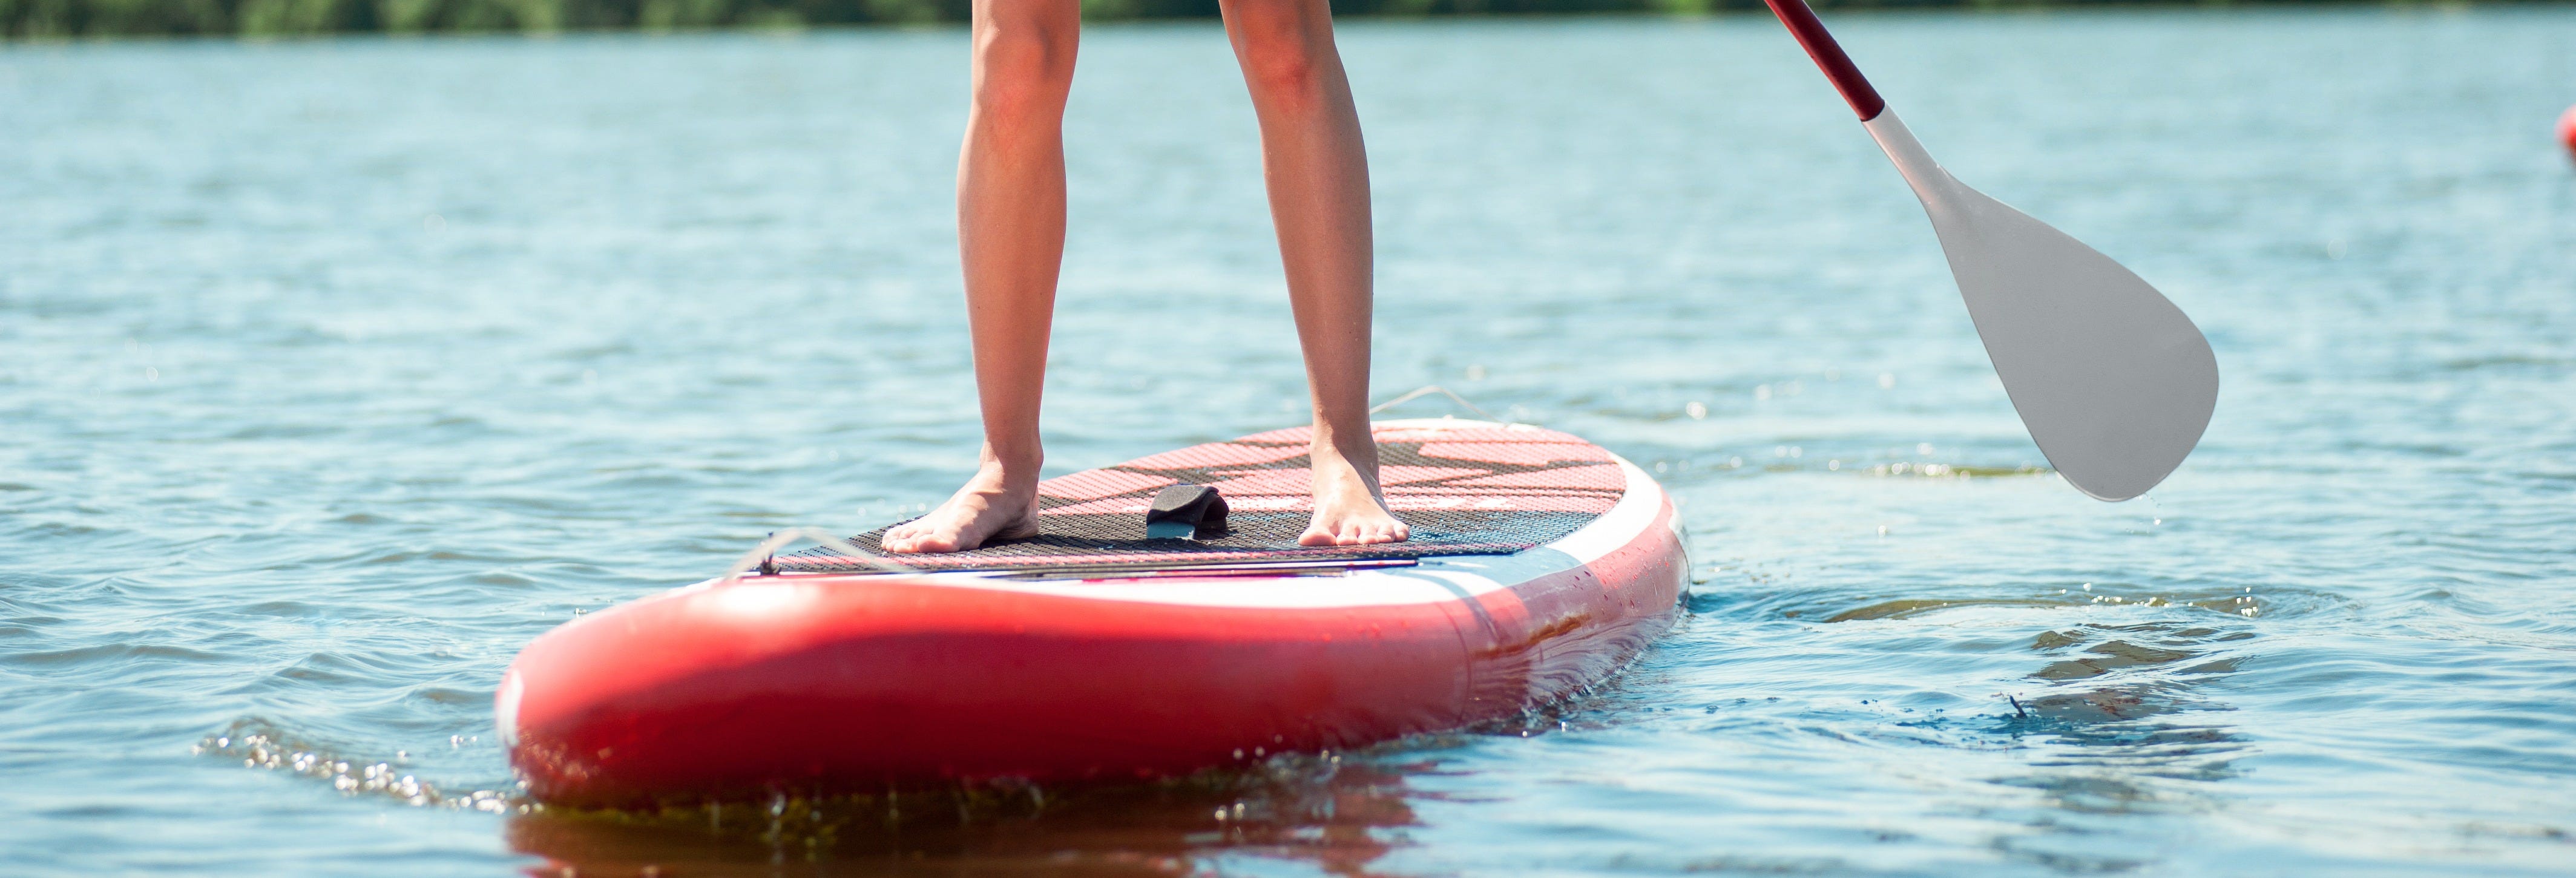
x,y
1539,564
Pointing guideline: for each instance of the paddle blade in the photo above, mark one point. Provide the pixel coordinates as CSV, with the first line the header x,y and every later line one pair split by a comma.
x,y
2114,382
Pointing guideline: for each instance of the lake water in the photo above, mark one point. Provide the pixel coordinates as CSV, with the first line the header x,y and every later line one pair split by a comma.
x,y
331,373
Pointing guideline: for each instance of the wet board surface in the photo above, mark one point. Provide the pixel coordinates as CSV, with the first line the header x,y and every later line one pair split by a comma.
x,y
1464,487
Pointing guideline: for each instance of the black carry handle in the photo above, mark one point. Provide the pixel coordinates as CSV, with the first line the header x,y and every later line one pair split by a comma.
x,y
1189,512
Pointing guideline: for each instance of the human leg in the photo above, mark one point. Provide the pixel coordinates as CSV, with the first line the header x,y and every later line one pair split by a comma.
x,y
1010,237
1317,173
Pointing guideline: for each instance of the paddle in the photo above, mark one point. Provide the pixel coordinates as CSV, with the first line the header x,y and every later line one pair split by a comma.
x,y
2113,381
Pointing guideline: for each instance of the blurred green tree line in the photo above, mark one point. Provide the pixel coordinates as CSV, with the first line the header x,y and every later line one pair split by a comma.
x,y
55,19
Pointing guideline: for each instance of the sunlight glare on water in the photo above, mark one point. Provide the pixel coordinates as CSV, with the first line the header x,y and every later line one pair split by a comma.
x,y
338,370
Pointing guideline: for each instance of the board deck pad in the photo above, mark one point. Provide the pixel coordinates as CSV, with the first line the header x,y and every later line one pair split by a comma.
x,y
1471,489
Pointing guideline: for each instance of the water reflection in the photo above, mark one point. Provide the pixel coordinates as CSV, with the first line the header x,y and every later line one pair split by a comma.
x,y
1331,812
2122,724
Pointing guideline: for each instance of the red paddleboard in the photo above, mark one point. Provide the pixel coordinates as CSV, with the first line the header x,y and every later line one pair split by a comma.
x,y
1539,564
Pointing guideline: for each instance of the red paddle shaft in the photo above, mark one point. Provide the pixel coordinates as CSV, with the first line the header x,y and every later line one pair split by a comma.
x,y
1829,55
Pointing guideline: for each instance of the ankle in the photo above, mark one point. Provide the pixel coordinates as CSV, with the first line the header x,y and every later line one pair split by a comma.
x,y
1358,453
1010,474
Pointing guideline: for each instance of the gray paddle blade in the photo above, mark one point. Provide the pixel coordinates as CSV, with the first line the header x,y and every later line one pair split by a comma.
x,y
2114,382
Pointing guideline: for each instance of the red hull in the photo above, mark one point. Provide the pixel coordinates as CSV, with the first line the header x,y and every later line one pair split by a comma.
x,y
854,683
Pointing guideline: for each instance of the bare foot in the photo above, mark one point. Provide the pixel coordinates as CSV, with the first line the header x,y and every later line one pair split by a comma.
x,y
995,504
1347,509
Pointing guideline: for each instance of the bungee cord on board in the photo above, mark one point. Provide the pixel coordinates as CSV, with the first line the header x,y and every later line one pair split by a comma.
x,y
764,556
1428,389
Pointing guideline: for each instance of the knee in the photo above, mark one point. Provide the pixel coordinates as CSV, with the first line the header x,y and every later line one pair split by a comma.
x,y
1282,46
1023,67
